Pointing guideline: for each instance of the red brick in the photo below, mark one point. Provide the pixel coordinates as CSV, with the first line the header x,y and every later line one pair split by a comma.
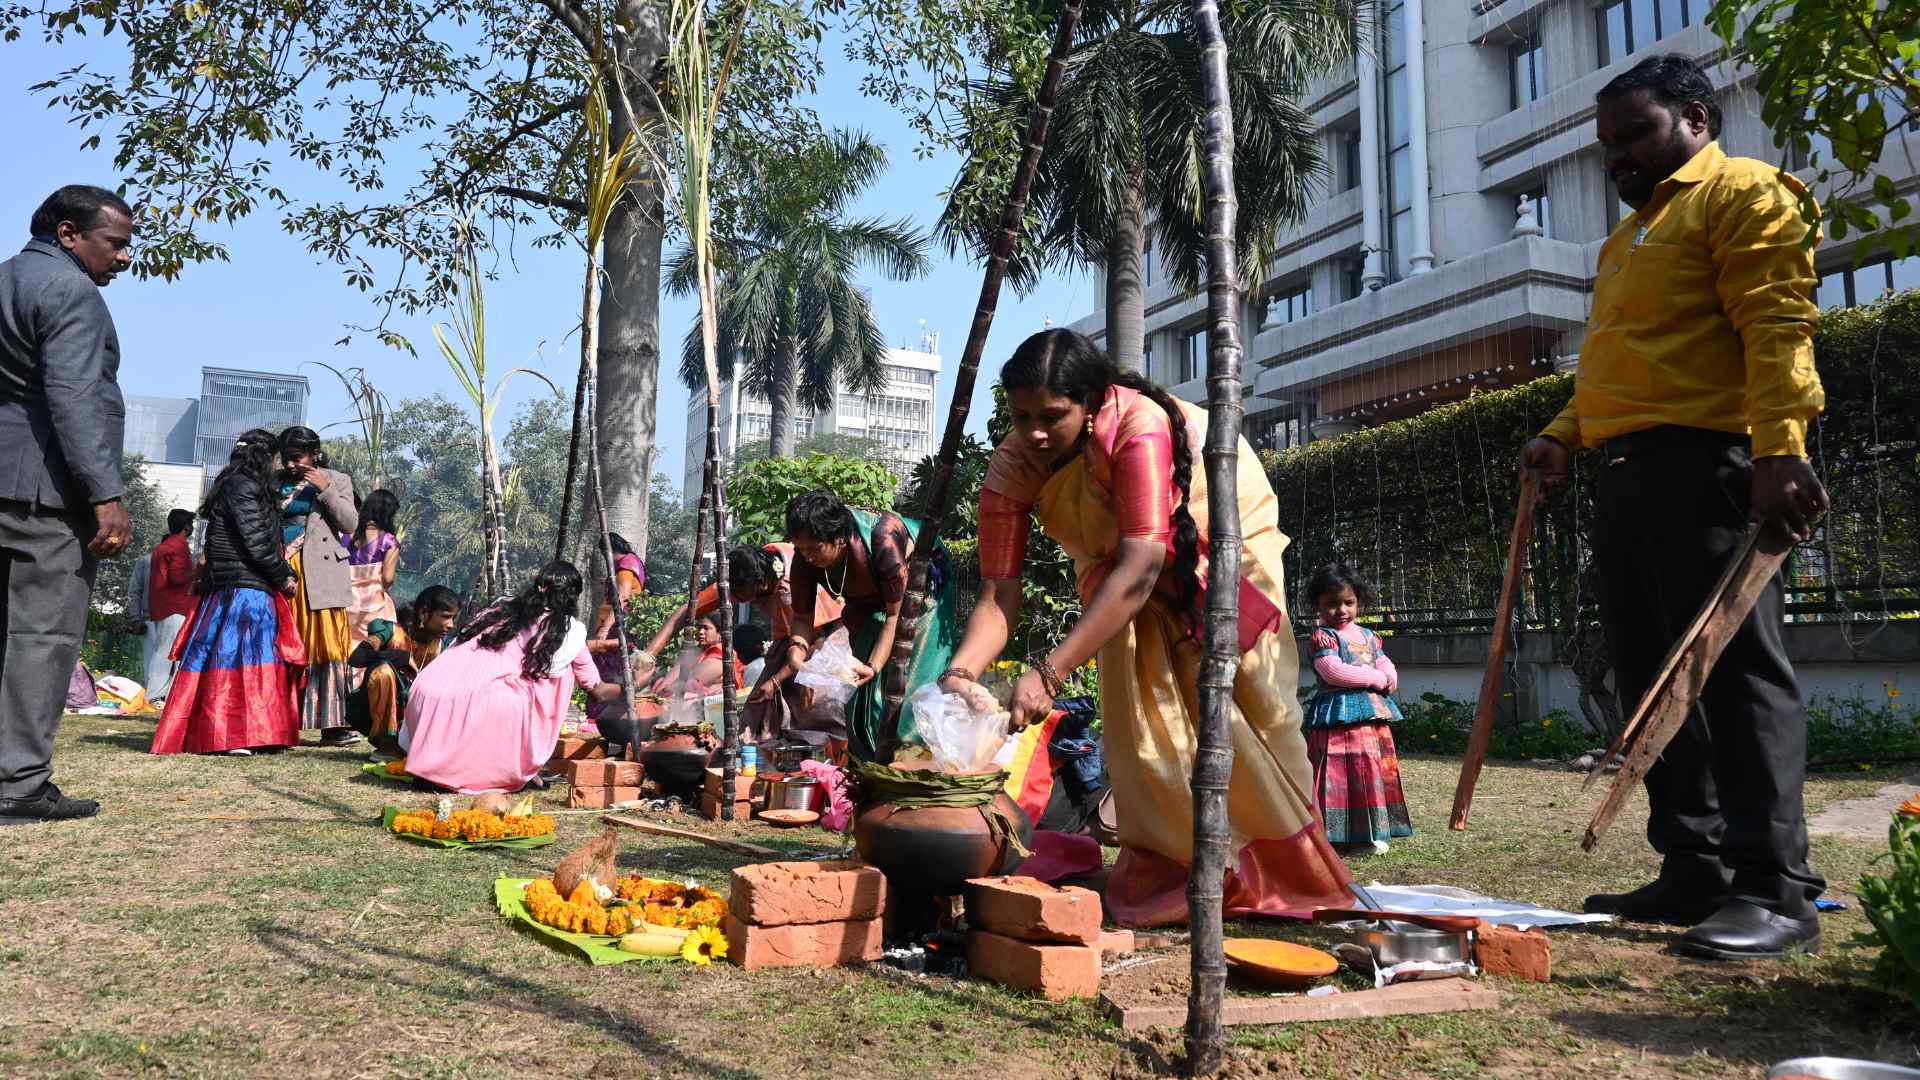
x,y
783,893
574,748
1116,943
1503,950
742,785
1057,972
802,944
628,774
590,772
599,798
710,808
1032,910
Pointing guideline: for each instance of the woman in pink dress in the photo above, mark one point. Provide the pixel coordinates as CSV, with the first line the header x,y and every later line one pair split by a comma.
x,y
485,716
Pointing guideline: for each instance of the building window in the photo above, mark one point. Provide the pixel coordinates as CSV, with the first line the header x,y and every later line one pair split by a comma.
x,y
1627,26
1542,210
1193,356
1349,160
1399,129
1146,360
1526,69
1288,306
1146,265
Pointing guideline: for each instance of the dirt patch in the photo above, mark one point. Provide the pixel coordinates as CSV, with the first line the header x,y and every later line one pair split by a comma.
x,y
1863,818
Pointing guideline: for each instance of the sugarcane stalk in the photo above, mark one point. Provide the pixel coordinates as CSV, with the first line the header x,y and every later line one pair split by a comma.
x,y
590,304
606,545
1213,749
1012,216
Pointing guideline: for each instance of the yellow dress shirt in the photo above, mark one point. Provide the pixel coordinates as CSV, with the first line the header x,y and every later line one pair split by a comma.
x,y
1703,314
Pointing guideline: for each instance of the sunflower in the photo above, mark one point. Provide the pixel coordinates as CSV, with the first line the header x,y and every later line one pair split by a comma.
x,y
704,945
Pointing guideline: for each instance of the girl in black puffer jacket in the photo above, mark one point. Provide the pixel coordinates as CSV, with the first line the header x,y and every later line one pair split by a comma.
x,y
233,692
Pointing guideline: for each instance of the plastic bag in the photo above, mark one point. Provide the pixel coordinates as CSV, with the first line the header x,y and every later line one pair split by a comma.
x,y
960,738
829,671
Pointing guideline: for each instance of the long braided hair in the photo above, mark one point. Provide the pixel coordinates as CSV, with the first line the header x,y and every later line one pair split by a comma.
x,y
550,602
1068,364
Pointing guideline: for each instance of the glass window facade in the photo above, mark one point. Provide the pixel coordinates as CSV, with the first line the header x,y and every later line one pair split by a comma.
x,y
1847,286
1526,69
1627,26
1289,305
1193,355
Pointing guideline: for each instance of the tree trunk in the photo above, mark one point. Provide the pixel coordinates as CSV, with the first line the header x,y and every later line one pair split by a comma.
x,y
628,376
1126,280
1012,216
1213,750
782,390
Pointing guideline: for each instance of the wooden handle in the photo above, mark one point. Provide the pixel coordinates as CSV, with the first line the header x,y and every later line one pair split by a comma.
x,y
1489,703
1450,924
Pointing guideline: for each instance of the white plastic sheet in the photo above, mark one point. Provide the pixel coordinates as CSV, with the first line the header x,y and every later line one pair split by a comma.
x,y
829,671
961,738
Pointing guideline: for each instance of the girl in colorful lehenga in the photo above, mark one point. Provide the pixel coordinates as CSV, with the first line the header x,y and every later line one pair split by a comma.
x,y
860,558
237,653
316,508
1105,460
1356,773
373,561
386,663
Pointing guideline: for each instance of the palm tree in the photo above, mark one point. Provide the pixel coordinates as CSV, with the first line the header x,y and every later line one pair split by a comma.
x,y
1128,144
790,314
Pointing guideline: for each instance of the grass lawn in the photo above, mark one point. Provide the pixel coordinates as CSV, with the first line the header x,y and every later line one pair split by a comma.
x,y
247,917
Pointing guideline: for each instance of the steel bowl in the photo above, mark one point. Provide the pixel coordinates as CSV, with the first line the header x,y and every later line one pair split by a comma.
x,y
1833,1068
1400,943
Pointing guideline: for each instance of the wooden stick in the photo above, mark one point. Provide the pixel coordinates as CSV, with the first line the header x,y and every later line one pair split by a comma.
x,y
1667,707
1658,687
893,681
1400,999
721,842
1488,706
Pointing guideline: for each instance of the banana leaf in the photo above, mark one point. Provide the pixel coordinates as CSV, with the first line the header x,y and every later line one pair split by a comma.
x,y
517,843
378,770
510,895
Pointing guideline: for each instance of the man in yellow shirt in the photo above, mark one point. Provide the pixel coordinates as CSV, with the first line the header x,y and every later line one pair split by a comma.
x,y
1696,383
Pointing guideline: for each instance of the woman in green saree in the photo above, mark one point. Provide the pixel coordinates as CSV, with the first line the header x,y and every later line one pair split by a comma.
x,y
860,557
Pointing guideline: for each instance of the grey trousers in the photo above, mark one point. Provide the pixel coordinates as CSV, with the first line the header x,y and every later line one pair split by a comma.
x,y
46,580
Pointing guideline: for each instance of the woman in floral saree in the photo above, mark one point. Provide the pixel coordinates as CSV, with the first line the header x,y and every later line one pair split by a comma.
x,y
1105,460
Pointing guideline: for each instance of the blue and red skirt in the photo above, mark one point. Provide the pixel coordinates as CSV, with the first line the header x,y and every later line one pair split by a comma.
x,y
234,689
1356,783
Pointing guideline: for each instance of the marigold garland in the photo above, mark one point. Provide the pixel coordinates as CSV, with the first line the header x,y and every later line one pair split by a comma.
x,y
471,825
669,903
581,915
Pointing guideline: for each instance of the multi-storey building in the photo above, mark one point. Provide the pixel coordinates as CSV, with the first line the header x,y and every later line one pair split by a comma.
x,y
181,437
900,416
1454,244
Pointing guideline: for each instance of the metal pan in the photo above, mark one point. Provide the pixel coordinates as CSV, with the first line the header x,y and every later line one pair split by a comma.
x,y
1397,937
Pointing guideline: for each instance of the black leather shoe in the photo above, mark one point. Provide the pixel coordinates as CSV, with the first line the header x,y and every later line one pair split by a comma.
x,y
1744,931
49,805
1657,902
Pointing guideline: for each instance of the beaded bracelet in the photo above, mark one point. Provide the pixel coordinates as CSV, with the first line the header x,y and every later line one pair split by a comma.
x,y
1048,677
957,672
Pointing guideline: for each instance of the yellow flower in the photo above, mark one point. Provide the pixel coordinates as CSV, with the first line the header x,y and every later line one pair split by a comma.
x,y
704,945
1546,723
1892,690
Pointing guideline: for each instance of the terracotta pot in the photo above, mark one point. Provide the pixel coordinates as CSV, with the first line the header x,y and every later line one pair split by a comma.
x,y
678,763
935,849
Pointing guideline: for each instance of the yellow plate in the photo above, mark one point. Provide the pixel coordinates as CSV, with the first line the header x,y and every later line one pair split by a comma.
x,y
1279,963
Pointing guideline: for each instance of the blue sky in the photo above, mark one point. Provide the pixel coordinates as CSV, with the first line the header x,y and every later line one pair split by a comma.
x,y
275,307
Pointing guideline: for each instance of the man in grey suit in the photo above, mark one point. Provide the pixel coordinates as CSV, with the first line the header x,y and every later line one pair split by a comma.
x,y
61,428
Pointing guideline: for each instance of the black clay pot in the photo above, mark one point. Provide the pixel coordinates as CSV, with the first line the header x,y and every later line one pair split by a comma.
x,y
935,849
678,763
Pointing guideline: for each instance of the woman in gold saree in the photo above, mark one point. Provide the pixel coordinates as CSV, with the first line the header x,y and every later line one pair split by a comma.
x,y
1105,460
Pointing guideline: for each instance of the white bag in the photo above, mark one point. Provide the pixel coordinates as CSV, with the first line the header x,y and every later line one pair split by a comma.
x,y
960,738
829,671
